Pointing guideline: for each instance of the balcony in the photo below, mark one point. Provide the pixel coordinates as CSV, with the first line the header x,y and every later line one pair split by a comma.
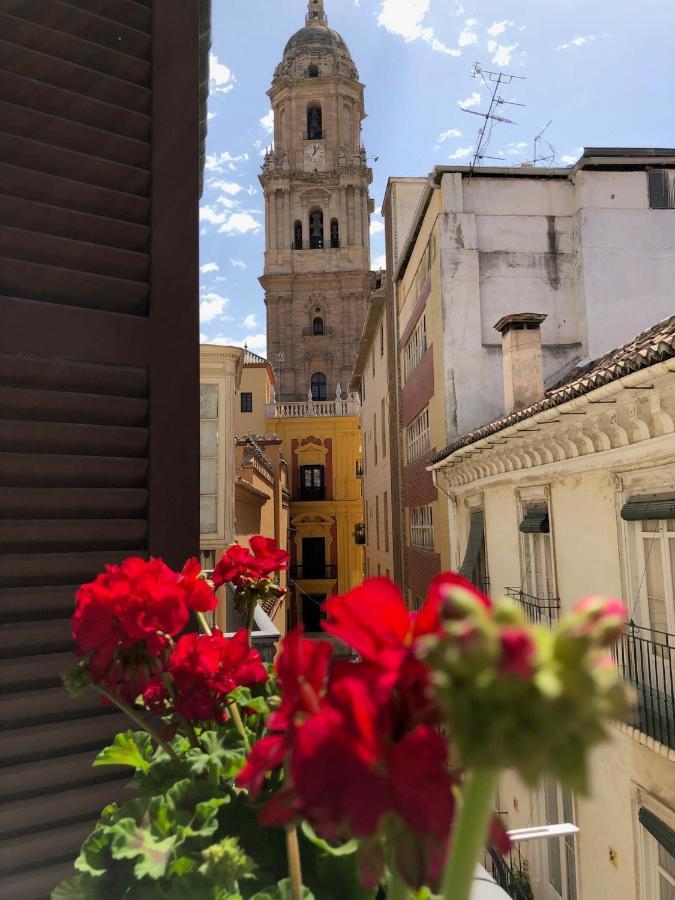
x,y
646,659
538,610
314,573
509,873
301,409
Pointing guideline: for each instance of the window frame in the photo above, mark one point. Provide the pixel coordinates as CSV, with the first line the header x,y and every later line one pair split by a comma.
x,y
543,585
249,400
415,348
421,532
312,492
322,386
418,436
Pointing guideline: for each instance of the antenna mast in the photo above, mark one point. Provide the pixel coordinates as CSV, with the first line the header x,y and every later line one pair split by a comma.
x,y
545,154
490,117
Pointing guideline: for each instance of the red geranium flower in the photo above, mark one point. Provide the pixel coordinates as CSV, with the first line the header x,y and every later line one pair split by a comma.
x,y
238,565
519,651
268,557
198,593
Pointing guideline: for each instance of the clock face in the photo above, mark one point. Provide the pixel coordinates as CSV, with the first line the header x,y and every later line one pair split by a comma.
x,y
315,153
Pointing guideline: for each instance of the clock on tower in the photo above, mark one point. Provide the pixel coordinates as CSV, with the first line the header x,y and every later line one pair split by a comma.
x,y
315,156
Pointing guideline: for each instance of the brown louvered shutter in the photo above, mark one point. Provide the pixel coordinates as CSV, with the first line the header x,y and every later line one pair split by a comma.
x,y
99,150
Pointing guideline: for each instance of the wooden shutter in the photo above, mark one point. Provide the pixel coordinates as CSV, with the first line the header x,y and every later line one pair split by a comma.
x,y
99,153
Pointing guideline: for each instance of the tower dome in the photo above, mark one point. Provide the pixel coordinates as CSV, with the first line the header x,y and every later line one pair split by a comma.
x,y
316,49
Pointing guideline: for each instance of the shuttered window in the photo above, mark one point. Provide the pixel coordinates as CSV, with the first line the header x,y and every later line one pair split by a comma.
x,y
99,150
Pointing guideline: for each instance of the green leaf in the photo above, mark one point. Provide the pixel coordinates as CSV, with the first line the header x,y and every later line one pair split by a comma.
x,y
70,889
125,751
286,891
343,850
94,858
131,840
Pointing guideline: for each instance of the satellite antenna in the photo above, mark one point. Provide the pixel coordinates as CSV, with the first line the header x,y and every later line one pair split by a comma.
x,y
493,81
544,151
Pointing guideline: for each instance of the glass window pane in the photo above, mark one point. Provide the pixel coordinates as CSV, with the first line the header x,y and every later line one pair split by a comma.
x,y
208,434
208,509
666,889
554,865
208,401
571,866
208,476
656,597
666,861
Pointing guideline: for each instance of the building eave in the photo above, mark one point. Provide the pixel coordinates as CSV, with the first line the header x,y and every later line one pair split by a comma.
x,y
374,312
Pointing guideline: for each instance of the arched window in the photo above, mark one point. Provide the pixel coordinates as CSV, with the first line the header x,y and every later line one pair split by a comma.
x,y
316,229
314,123
313,71
319,388
347,126
297,235
334,234
317,325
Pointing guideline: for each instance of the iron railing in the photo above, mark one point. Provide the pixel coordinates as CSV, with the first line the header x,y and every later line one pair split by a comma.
x,y
313,572
646,659
540,610
509,873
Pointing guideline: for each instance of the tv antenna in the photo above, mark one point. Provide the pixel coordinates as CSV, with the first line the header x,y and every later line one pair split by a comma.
x,y
544,151
493,81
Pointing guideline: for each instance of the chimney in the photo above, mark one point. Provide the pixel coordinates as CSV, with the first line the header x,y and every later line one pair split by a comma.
x,y
521,358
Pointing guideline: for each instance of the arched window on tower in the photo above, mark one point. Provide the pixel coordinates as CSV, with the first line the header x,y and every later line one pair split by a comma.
x,y
314,123
297,235
316,230
334,234
317,325
313,71
319,386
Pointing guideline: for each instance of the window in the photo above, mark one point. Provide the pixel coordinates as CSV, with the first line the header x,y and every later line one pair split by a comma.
x,y
381,338
314,123
654,548
385,499
377,521
372,362
297,236
375,437
418,435
662,189
334,234
659,863
538,574
367,524
422,528
316,230
312,483
319,387
209,458
561,857
415,348
317,325
246,401
384,429
313,71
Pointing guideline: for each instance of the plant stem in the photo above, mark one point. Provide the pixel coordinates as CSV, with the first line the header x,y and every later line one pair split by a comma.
x,y
397,888
201,618
250,619
469,834
294,865
239,723
137,720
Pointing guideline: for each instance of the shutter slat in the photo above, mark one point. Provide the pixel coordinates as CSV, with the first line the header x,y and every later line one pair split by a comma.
x,y
38,883
37,742
86,503
73,375
127,12
75,196
91,169
48,705
49,636
56,285
62,406
36,604
63,470
52,535
72,106
75,22
57,568
28,673
76,137
55,220
50,847
66,253
59,773
72,77
59,437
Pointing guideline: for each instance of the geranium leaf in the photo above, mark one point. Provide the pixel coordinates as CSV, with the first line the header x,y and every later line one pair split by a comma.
x,y
92,858
286,891
342,850
70,889
125,751
131,840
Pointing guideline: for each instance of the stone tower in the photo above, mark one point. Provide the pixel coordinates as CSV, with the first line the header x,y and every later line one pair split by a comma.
x,y
317,214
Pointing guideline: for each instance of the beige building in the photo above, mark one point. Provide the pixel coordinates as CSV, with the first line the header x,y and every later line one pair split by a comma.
x,y
589,248
573,495
254,393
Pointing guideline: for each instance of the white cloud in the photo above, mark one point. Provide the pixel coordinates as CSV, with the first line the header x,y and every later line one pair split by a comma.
x,y
240,223
503,55
230,187
238,263
578,41
473,100
208,214
467,37
570,158
226,202
498,28
492,46
376,227
211,306
471,22
406,17
218,162
380,262
209,267
515,148
210,115
250,321
255,342
461,153
450,133
267,122
203,338
221,78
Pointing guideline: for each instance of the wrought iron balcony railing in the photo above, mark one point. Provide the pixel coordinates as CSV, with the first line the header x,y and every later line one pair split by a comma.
x,y
509,873
313,573
646,659
540,610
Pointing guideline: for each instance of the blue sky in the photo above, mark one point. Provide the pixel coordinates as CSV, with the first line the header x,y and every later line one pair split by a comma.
x,y
602,71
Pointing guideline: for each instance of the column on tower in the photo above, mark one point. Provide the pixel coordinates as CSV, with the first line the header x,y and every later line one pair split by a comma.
x,y
344,231
272,224
350,214
286,224
358,217
279,219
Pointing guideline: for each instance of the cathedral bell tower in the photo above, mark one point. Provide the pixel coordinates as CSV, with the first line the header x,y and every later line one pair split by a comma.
x,y
317,214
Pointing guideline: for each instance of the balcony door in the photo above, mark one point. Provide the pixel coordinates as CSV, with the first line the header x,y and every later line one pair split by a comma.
x,y
312,483
313,557
559,881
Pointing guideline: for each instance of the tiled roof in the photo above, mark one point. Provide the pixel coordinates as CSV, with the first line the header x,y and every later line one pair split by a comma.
x,y
252,359
650,347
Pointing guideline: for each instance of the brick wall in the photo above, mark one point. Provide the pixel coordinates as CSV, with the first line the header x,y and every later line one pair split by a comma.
x,y
418,389
418,484
421,567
